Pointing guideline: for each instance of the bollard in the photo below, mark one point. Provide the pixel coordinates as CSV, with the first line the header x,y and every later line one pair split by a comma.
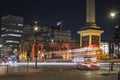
x,y
119,75
112,66
61,70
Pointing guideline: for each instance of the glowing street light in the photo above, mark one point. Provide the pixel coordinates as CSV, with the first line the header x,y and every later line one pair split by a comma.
x,y
113,14
35,28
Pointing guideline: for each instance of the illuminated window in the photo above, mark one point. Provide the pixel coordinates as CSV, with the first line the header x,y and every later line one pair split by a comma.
x,y
20,24
3,35
15,35
17,31
11,41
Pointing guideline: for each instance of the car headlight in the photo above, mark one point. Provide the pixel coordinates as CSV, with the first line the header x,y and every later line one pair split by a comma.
x,y
88,65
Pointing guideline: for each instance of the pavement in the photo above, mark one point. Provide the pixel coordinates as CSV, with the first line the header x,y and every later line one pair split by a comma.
x,y
55,73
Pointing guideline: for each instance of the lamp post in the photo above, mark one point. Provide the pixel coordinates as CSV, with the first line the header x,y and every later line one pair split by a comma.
x,y
112,14
35,29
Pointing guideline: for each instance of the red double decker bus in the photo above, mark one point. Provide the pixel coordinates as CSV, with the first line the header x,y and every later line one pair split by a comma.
x,y
86,58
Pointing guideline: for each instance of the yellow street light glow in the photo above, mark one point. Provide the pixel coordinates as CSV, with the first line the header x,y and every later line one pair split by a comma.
x,y
35,28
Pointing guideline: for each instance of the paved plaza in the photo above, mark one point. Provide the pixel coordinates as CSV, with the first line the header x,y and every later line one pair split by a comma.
x,y
54,73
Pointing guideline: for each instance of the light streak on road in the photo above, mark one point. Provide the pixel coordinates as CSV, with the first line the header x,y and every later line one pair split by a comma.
x,y
103,65
42,63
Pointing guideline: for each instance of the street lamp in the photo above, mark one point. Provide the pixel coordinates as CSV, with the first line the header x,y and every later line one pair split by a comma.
x,y
112,15
35,29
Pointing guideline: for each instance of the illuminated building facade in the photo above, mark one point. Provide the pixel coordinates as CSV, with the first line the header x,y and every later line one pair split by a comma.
x,y
11,31
105,47
51,41
111,49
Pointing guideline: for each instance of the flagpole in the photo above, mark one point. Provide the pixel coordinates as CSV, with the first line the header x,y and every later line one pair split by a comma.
x,y
61,24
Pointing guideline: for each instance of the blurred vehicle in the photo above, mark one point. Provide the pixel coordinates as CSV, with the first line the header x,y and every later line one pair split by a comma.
x,y
86,58
88,66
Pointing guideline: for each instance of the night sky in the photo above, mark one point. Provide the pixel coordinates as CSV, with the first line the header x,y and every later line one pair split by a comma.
x,y
71,12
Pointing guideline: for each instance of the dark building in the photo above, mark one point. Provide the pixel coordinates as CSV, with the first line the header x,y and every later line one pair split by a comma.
x,y
116,34
112,48
11,31
116,40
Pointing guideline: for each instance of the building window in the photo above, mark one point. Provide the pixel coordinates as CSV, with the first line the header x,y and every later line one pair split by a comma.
x,y
11,41
15,35
20,25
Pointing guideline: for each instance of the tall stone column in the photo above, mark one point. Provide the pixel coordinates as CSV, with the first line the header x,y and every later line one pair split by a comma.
x,y
90,11
91,33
